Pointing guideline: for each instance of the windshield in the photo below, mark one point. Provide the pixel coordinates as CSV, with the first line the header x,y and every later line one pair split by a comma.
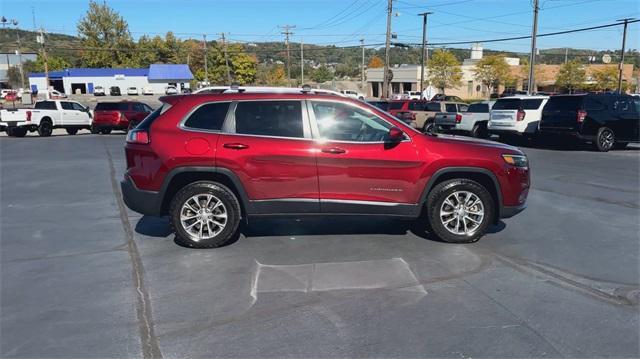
x,y
517,104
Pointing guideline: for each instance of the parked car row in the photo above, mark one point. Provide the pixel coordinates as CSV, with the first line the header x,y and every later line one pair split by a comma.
x,y
73,116
606,120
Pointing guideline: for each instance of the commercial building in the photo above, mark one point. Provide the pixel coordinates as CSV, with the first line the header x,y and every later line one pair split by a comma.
x,y
84,80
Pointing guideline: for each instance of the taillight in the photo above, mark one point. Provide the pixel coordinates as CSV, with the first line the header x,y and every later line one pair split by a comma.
x,y
140,137
521,114
458,118
582,114
28,116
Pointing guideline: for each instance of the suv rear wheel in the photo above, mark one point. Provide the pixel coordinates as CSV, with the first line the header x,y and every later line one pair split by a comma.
x,y
459,210
205,215
605,139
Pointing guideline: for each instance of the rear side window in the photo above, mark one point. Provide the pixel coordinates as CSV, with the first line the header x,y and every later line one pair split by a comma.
x,y
433,106
564,103
45,105
592,104
478,108
208,117
112,106
416,106
270,118
395,105
450,107
517,104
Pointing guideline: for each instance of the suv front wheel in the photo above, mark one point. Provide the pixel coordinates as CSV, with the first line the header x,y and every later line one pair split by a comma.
x,y
459,210
205,215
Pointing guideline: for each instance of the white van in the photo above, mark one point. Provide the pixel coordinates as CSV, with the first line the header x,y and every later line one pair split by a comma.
x,y
516,115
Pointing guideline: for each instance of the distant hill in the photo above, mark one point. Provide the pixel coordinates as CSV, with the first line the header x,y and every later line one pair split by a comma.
x,y
66,45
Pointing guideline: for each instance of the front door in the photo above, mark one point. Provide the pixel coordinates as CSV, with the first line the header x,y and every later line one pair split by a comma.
x,y
359,170
68,116
268,146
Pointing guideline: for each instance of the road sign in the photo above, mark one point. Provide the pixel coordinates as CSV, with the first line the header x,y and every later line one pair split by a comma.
x,y
606,58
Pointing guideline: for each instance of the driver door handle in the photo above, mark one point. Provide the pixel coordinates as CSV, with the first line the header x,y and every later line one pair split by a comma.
x,y
334,150
235,146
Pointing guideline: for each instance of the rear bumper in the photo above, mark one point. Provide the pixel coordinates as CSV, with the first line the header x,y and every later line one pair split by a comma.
x,y
141,201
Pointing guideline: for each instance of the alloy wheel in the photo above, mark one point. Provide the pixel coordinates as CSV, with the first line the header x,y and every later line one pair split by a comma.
x,y
462,213
203,216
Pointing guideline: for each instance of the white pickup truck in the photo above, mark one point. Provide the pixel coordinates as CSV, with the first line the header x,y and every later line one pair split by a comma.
x,y
473,121
45,116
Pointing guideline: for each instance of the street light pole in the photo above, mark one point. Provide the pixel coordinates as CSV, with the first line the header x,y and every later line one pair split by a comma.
x,y
362,67
424,41
621,65
531,83
15,23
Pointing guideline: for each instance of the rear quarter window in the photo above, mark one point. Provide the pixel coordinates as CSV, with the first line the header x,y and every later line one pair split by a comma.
x,y
564,103
208,116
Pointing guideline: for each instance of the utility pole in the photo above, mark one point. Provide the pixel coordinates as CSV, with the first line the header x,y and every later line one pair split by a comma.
x,y
621,65
286,33
301,62
566,54
19,53
206,66
386,81
362,70
424,44
226,59
40,39
531,83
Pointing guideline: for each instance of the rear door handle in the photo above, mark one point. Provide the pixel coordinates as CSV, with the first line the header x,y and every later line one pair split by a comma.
x,y
333,150
235,146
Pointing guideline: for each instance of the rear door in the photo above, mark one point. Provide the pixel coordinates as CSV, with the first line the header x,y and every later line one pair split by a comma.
x,y
358,171
561,113
268,145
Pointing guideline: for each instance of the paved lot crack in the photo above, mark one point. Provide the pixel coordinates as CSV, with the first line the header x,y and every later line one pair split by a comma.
x,y
150,347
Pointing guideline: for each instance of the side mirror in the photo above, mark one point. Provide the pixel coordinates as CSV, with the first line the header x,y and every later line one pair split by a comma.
x,y
395,134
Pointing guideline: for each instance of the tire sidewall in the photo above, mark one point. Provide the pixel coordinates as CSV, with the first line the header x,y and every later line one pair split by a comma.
x,y
221,192
600,132
437,196
46,128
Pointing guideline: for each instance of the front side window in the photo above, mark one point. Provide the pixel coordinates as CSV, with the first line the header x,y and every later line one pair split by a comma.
x,y
78,107
270,118
208,116
66,105
450,107
342,122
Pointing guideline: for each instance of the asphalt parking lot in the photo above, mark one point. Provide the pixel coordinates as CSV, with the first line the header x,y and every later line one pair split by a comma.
x,y
82,276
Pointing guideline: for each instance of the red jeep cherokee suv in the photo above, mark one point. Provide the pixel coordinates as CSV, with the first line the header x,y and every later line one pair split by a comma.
x,y
123,115
209,160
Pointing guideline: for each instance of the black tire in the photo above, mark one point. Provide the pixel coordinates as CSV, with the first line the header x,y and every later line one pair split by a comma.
x,y
94,130
105,131
605,139
620,145
17,131
72,131
480,130
46,128
428,126
230,205
439,195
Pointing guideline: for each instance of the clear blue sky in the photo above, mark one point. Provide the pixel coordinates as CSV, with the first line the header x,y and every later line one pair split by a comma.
x,y
343,22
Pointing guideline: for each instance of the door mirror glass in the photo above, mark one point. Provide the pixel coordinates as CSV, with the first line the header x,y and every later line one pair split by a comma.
x,y
395,134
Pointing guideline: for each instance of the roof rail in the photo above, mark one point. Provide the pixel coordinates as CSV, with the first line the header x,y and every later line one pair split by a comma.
x,y
306,89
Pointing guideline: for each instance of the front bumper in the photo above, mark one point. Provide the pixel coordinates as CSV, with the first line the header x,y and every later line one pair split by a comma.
x,y
141,201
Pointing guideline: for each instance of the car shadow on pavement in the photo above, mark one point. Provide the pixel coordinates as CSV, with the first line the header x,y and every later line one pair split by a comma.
x,y
159,227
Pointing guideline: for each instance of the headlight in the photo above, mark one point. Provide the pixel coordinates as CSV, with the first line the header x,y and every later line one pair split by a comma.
x,y
516,160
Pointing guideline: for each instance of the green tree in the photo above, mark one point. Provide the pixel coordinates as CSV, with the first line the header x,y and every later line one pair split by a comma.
x,y
571,76
321,74
105,36
55,63
492,71
244,68
606,79
147,53
444,70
